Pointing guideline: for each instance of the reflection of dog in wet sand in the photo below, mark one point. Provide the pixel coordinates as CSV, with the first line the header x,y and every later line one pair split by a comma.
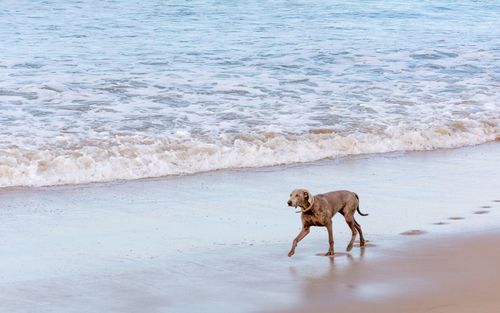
x,y
319,210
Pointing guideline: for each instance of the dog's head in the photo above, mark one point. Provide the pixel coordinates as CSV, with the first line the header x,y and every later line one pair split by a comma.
x,y
300,198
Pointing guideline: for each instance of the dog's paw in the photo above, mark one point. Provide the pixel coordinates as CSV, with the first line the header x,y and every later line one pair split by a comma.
x,y
329,253
349,248
291,253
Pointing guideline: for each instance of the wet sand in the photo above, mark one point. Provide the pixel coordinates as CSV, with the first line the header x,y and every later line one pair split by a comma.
x,y
217,242
452,274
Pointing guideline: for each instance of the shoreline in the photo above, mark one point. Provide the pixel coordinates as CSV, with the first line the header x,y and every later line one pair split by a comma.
x,y
218,241
96,163
222,171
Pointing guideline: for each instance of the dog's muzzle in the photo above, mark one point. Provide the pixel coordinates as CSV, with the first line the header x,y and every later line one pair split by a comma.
x,y
289,203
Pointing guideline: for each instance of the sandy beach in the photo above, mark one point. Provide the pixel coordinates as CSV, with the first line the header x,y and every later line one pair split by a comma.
x,y
218,241
148,150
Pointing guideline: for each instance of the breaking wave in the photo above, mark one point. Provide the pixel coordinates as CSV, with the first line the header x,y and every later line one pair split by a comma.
x,y
134,157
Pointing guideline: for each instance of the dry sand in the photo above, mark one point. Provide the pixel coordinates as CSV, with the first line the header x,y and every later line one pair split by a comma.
x,y
217,242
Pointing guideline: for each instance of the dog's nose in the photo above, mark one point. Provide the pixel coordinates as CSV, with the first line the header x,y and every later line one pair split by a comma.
x,y
289,203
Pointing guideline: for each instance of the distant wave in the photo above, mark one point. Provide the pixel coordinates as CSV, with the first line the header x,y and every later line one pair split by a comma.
x,y
134,157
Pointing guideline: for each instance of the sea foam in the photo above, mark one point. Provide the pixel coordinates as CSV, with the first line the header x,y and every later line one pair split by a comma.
x,y
133,157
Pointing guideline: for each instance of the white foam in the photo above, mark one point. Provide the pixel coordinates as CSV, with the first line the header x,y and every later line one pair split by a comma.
x,y
133,157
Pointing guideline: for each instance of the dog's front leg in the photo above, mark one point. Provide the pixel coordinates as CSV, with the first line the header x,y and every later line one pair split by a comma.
x,y
300,236
330,239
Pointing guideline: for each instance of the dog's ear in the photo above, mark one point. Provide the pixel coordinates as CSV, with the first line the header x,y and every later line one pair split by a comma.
x,y
307,196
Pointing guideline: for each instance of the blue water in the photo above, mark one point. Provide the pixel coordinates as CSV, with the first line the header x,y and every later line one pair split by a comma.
x,y
103,90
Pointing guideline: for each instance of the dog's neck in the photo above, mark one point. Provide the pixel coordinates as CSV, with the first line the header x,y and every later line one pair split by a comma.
x,y
309,208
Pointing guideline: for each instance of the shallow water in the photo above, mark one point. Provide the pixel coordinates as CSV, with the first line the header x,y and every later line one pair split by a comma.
x,y
104,90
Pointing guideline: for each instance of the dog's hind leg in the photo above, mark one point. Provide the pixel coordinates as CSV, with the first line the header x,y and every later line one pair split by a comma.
x,y
361,237
352,225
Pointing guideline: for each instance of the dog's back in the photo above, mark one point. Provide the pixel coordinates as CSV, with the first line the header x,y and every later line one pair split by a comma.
x,y
340,199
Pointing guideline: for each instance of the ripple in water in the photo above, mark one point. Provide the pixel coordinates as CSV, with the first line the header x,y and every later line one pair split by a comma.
x,y
109,90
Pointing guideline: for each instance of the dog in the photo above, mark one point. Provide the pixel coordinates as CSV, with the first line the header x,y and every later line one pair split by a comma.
x,y
319,210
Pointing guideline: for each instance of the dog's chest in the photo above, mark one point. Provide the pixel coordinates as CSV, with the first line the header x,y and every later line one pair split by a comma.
x,y
316,218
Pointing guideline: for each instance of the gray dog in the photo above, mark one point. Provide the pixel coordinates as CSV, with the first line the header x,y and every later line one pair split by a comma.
x,y
319,210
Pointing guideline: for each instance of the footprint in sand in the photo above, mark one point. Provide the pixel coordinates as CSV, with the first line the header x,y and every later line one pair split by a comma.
x,y
486,207
482,212
440,223
413,232
456,218
496,200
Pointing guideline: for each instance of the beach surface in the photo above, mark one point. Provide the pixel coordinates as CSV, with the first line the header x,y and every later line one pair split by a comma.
x,y
218,241
450,274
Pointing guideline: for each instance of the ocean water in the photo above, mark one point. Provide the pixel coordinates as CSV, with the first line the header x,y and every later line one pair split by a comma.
x,y
104,90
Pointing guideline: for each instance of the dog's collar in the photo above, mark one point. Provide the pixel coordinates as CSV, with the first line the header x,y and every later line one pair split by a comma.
x,y
308,208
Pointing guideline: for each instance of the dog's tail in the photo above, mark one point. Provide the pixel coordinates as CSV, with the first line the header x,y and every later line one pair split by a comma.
x,y
357,209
